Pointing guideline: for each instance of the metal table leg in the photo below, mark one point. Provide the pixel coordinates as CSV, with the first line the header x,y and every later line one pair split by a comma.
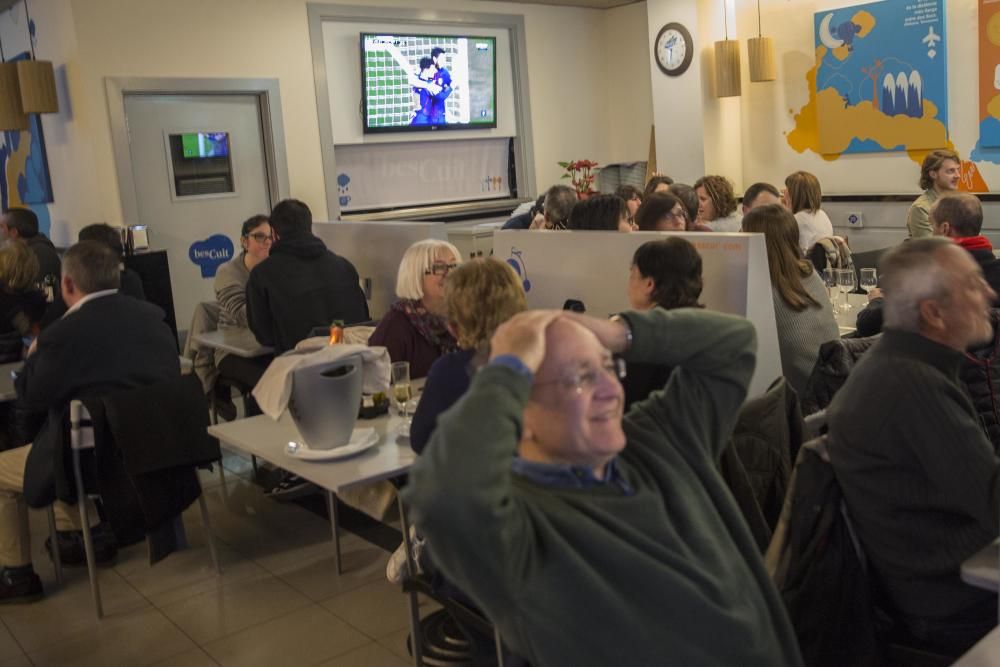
x,y
331,507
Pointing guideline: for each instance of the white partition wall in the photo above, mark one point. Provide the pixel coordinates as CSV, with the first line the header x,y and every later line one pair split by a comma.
x,y
593,267
376,249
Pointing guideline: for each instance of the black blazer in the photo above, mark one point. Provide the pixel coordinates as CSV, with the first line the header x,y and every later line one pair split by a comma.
x,y
111,343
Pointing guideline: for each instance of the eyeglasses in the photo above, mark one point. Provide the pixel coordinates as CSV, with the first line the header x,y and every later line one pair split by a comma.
x,y
586,378
261,237
440,269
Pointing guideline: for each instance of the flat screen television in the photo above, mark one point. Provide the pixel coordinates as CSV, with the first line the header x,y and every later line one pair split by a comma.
x,y
205,144
415,83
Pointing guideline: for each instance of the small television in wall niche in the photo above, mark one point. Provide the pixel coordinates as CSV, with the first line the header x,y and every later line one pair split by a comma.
x,y
204,144
417,83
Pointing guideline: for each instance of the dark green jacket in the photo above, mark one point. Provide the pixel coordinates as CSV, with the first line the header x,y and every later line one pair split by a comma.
x,y
668,575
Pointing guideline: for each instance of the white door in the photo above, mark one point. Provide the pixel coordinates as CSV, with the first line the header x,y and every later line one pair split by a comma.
x,y
199,168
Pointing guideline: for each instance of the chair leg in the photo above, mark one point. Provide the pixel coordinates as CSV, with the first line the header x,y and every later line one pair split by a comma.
x,y
54,540
88,547
499,643
209,537
416,634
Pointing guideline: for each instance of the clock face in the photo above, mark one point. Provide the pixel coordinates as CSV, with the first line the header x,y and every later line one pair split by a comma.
x,y
674,49
671,48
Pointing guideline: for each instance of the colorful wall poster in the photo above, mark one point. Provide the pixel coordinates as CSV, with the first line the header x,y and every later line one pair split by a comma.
x,y
988,147
882,77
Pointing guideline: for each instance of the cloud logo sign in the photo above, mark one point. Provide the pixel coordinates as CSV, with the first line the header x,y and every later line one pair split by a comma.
x,y
343,187
210,253
516,262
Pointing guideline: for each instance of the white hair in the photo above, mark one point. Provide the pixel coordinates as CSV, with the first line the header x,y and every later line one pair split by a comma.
x,y
910,274
417,261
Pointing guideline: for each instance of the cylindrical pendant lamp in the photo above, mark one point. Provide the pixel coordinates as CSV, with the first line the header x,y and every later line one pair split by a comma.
x,y
761,51
12,116
727,68
762,67
38,86
37,79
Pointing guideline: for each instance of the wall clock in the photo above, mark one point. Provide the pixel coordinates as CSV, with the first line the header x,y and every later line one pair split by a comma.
x,y
674,49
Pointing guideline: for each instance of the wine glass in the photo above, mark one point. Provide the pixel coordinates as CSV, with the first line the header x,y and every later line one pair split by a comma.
x,y
869,280
401,388
845,283
409,409
830,280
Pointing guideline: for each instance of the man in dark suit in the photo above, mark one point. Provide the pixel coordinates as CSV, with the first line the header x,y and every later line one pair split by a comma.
x,y
301,285
105,342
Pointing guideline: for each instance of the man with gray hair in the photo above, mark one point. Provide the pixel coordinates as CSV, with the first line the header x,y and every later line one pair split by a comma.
x,y
920,478
559,203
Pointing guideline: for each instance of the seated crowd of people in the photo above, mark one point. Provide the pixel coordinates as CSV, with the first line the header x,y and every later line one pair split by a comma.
x,y
569,482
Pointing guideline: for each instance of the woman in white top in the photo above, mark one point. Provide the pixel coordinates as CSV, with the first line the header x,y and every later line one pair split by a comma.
x,y
803,196
717,204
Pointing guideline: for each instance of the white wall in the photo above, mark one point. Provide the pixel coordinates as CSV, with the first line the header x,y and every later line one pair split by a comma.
x,y
576,110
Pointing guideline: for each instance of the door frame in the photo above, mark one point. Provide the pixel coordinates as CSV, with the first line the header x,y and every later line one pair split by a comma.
x,y
268,102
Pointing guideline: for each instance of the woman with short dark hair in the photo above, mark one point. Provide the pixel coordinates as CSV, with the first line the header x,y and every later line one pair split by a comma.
x,y
664,274
600,213
661,212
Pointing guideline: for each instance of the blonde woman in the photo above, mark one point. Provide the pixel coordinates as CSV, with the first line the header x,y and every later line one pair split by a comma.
x,y
415,329
479,296
803,197
22,305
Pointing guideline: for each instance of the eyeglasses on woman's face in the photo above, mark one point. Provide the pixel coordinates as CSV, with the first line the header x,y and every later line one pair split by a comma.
x,y
440,269
261,237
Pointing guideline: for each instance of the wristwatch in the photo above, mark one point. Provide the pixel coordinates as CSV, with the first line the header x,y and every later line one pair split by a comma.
x,y
622,320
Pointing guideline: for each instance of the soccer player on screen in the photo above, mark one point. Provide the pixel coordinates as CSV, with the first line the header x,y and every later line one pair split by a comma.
x,y
443,81
423,111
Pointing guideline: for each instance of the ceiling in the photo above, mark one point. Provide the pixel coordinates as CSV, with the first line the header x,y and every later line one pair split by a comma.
x,y
592,4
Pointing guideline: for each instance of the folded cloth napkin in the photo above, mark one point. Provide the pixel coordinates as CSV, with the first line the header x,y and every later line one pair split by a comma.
x,y
274,389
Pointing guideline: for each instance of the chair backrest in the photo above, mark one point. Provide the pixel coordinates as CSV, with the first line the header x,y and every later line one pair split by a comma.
x,y
205,318
820,569
835,361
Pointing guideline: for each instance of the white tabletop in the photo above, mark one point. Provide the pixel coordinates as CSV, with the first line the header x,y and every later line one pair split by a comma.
x,y
235,341
265,438
847,321
985,653
982,569
7,392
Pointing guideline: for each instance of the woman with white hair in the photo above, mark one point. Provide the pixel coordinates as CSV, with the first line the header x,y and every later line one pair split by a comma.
x,y
415,328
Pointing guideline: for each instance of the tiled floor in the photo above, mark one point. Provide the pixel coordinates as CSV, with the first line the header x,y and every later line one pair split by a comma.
x,y
278,602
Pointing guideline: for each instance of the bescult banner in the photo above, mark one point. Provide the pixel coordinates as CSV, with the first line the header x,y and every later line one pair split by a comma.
x,y
420,173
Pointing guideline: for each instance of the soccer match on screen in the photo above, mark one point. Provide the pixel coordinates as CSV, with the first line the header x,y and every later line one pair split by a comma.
x,y
420,82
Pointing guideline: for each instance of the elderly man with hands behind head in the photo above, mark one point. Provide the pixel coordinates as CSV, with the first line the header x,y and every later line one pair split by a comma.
x,y
585,551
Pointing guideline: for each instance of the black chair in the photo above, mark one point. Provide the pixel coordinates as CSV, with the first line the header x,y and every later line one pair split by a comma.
x,y
177,443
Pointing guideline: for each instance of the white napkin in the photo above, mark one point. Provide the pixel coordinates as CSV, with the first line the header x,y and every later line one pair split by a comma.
x,y
274,389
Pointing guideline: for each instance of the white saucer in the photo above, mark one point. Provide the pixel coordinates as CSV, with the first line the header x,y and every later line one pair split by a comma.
x,y
361,439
